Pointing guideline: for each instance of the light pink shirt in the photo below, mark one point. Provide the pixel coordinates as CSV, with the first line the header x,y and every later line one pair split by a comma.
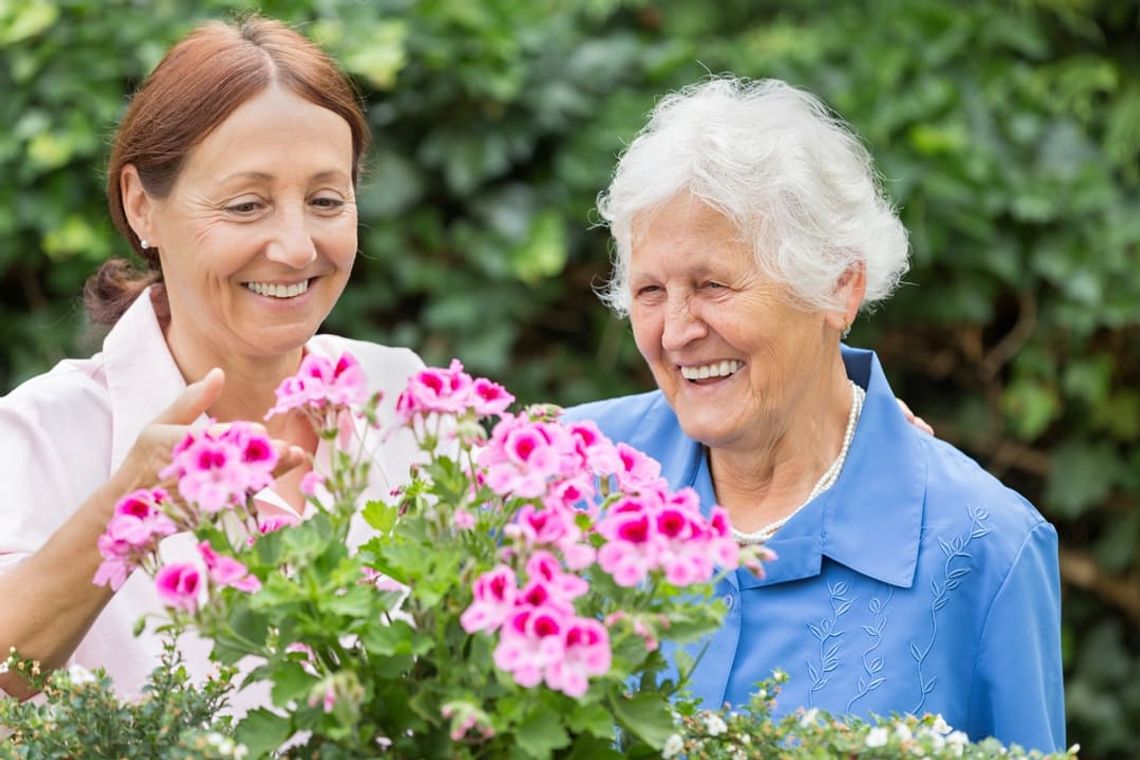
x,y
63,433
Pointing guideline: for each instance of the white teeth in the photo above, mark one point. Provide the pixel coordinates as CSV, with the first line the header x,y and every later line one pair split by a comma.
x,y
705,371
277,290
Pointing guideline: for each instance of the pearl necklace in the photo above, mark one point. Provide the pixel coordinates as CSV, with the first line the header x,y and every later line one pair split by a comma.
x,y
826,481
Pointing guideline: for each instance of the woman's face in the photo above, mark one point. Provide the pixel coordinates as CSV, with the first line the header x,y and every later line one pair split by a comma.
x,y
258,234
732,354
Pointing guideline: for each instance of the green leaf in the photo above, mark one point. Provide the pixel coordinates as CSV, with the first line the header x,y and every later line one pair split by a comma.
x,y
290,681
646,715
262,732
591,718
380,516
541,733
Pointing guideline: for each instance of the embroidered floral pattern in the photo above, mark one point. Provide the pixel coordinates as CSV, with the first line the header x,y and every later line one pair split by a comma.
x,y
826,630
873,664
955,567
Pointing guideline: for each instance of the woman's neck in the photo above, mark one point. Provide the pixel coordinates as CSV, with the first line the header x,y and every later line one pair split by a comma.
x,y
776,473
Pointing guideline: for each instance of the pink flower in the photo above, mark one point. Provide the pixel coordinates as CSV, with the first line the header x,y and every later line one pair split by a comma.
x,y
436,391
489,398
495,592
319,382
113,573
311,481
463,520
349,386
276,522
178,586
217,470
522,456
530,640
227,571
586,653
132,534
637,469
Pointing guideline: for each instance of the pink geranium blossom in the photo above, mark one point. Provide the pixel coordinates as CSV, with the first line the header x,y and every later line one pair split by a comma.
x,y
319,383
132,534
495,593
178,586
217,470
227,571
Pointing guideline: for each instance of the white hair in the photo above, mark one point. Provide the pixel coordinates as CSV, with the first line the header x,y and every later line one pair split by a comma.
x,y
792,177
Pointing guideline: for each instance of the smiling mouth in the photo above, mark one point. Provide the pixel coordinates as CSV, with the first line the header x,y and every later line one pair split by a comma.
x,y
714,371
279,290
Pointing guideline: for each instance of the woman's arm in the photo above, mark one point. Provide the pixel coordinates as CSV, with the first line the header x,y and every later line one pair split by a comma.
x,y
1018,693
49,598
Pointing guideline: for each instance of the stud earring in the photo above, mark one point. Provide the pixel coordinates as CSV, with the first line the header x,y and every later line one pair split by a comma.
x,y
144,244
846,331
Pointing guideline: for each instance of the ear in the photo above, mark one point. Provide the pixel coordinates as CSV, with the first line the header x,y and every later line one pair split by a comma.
x,y
849,292
137,205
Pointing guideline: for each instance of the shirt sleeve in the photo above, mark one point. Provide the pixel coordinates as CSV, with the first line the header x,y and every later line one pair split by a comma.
x,y
1018,691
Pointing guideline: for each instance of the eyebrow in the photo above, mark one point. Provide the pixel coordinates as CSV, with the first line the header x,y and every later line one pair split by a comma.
x,y
263,177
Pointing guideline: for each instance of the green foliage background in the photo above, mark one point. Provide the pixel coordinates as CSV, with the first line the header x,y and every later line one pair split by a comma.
x,y
1008,131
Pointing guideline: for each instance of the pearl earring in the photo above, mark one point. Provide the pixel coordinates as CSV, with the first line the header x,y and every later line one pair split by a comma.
x,y
144,243
846,331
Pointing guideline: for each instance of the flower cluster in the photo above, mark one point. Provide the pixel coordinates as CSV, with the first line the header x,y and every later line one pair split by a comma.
x,y
559,472
656,530
450,391
321,383
217,469
541,638
132,535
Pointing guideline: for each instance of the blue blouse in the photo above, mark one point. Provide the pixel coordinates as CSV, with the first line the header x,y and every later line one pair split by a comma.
x,y
917,583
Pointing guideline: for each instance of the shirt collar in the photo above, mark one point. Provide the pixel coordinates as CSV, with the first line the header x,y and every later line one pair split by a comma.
x,y
870,520
142,377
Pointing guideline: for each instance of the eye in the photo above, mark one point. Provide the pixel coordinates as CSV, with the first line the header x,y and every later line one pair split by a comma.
x,y
644,291
327,203
713,285
245,207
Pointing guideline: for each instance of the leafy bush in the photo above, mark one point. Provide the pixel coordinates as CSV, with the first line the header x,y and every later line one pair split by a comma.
x,y
1005,130
79,715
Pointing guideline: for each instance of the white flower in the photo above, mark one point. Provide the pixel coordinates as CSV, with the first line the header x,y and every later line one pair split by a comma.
x,y
809,716
878,737
673,746
240,752
903,731
79,675
940,725
714,725
1074,749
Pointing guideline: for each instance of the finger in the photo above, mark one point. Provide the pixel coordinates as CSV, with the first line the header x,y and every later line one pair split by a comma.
x,y
922,425
289,458
195,400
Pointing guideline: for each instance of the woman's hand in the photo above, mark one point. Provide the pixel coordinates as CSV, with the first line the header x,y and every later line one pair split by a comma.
x,y
914,419
151,452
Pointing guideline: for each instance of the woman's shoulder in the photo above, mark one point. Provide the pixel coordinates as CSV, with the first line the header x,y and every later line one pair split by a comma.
x,y
963,498
71,387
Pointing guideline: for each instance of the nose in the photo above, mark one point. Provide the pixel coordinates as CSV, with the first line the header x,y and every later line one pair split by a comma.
x,y
292,242
682,324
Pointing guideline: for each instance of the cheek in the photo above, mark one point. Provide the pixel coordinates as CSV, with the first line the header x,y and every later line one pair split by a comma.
x,y
340,241
646,332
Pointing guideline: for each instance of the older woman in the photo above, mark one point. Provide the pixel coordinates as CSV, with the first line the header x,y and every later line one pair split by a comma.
x,y
233,176
750,231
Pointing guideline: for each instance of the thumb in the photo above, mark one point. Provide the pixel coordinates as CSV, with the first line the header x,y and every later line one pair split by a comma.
x,y
195,400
